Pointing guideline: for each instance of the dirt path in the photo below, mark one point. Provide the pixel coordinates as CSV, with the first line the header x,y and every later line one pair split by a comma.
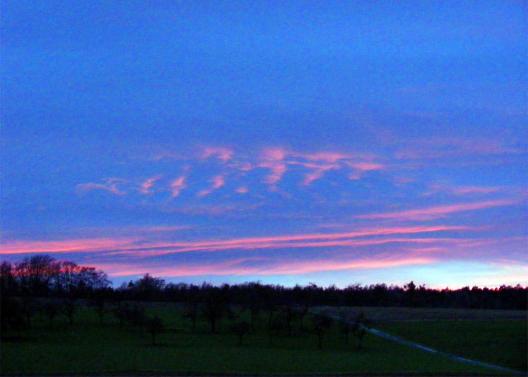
x,y
421,347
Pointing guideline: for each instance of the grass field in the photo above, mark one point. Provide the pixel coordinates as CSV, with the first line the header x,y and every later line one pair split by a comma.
x,y
89,348
501,342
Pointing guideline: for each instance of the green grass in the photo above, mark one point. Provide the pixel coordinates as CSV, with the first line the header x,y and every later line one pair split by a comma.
x,y
501,342
89,348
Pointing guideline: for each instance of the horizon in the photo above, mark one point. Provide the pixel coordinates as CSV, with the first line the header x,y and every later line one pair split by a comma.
x,y
237,142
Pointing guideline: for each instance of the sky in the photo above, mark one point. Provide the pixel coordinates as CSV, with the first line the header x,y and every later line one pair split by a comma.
x,y
284,142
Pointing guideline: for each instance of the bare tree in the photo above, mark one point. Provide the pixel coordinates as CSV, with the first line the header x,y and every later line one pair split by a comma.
x,y
69,309
190,311
214,309
320,324
240,329
155,326
51,309
359,328
99,304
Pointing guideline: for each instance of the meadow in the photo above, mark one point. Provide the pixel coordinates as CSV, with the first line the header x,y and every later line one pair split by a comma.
x,y
89,347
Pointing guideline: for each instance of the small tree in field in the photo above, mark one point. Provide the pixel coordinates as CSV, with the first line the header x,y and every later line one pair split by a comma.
x,y
155,326
359,328
214,309
240,329
100,307
275,327
320,324
345,325
51,309
69,308
190,311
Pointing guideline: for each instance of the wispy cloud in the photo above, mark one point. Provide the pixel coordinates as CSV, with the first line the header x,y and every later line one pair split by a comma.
x,y
145,248
217,182
221,153
437,211
147,185
242,190
177,185
273,159
110,185
66,246
437,148
260,267
461,190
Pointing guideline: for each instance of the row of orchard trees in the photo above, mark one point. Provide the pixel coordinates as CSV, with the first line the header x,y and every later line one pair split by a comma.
x,y
53,289
212,306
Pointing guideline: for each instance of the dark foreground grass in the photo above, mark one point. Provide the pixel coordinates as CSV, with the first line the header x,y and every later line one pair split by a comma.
x,y
501,342
89,348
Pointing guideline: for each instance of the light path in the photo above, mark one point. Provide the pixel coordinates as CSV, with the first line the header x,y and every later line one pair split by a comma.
x,y
405,342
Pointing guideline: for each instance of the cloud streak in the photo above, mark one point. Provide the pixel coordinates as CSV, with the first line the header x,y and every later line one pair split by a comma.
x,y
110,185
135,247
436,212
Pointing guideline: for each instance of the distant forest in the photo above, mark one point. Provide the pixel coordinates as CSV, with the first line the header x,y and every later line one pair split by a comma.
x,y
44,276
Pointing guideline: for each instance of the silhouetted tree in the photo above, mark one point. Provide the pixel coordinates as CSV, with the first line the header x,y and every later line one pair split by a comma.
x,y
359,328
214,308
276,326
99,303
302,312
155,326
52,310
69,308
320,324
240,329
29,309
148,287
190,311
120,312
346,325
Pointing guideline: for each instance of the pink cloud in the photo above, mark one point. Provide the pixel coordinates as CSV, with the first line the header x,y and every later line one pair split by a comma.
x,y
216,183
273,159
468,190
329,157
110,185
460,190
292,241
221,153
147,185
318,173
265,266
131,246
66,246
242,190
437,211
177,186
435,148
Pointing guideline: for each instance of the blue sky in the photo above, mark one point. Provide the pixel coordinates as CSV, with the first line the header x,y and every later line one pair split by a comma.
x,y
291,142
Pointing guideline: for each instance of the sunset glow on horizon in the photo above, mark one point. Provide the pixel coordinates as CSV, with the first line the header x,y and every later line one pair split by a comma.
x,y
334,143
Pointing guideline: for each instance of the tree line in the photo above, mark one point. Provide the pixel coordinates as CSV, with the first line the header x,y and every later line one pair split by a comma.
x,y
44,276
